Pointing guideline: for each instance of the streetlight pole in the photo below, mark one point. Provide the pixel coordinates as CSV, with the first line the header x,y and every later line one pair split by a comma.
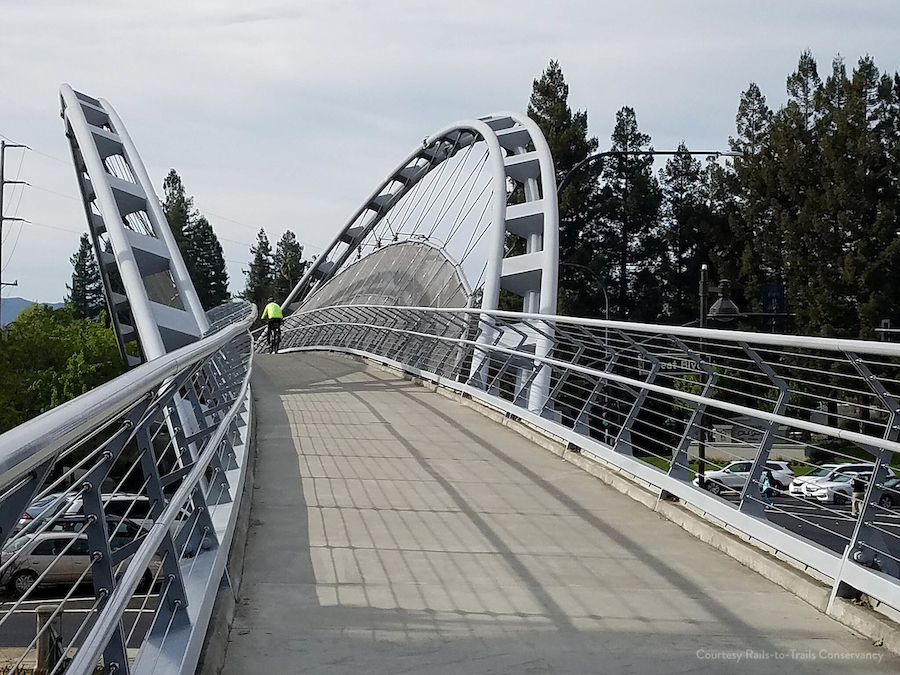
x,y
701,451
592,159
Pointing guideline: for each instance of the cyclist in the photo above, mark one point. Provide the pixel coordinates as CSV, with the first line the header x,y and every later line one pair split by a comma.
x,y
272,316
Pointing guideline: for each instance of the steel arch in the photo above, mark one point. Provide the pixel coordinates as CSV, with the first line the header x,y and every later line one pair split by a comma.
x,y
156,307
518,153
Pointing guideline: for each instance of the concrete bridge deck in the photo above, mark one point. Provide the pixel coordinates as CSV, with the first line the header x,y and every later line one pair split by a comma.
x,y
395,531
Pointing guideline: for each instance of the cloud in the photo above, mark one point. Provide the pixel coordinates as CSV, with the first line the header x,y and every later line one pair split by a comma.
x,y
286,115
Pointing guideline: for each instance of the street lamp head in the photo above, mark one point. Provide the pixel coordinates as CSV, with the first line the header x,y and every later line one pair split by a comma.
x,y
724,308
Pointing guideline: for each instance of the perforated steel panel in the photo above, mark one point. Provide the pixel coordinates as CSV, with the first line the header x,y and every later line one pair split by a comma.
x,y
410,273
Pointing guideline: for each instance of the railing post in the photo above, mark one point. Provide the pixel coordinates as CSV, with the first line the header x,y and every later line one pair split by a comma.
x,y
18,497
48,639
167,552
867,541
679,468
623,444
581,424
115,656
750,495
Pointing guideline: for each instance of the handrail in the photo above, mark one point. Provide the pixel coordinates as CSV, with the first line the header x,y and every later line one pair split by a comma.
x,y
620,391
733,336
89,653
885,444
180,422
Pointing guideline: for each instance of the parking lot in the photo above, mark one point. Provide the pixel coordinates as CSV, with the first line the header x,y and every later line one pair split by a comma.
x,y
830,525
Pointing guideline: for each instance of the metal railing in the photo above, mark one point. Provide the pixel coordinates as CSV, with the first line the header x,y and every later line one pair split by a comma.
x,y
728,422
119,507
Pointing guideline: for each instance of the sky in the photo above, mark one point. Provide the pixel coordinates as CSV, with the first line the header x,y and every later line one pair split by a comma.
x,y
286,115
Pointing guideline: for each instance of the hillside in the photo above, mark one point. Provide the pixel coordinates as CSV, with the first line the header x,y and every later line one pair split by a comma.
x,y
12,307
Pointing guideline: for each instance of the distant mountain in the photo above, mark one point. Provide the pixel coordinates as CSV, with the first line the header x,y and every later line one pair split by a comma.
x,y
12,307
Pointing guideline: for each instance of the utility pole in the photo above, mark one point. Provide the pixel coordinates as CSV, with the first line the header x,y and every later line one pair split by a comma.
x,y
3,183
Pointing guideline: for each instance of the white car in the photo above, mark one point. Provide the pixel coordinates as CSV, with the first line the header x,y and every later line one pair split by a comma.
x,y
813,476
734,476
119,505
836,489
829,472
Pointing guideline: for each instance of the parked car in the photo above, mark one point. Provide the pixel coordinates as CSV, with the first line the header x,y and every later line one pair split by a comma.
x,y
818,473
890,495
33,555
122,531
828,472
734,476
41,508
117,505
837,489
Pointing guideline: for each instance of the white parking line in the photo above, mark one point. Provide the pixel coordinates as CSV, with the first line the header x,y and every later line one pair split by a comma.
x,y
50,601
84,610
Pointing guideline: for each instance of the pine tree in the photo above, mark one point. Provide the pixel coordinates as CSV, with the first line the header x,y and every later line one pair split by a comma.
x,y
197,242
753,121
288,264
260,277
210,275
807,239
86,292
179,210
685,223
803,87
748,248
630,221
567,137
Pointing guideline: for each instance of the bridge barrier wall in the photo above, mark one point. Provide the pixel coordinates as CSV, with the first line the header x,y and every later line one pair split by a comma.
x,y
212,657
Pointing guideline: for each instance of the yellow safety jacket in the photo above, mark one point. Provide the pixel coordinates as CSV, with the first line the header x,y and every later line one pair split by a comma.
x,y
272,311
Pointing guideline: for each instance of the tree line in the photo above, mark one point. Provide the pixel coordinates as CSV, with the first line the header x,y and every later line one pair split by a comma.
x,y
273,275
804,222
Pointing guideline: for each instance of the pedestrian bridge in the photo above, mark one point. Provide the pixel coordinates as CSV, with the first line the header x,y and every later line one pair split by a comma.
x,y
422,482
395,529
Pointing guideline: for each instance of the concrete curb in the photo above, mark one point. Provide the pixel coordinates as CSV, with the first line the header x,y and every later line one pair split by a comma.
x,y
860,618
215,645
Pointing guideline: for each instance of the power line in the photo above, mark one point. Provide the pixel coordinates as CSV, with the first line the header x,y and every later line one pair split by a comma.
x,y
52,192
37,152
56,227
250,227
16,183
15,244
3,183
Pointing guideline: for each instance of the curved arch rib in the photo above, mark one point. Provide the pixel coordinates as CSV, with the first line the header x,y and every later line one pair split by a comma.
x,y
159,310
518,152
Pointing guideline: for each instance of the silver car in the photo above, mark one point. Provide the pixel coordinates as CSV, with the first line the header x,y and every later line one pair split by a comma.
x,y
54,558
734,476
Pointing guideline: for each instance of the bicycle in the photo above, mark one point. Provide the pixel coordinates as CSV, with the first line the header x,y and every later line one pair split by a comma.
x,y
273,337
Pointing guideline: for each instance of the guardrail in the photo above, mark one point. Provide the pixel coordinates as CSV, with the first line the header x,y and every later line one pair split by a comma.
x,y
646,399
119,507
